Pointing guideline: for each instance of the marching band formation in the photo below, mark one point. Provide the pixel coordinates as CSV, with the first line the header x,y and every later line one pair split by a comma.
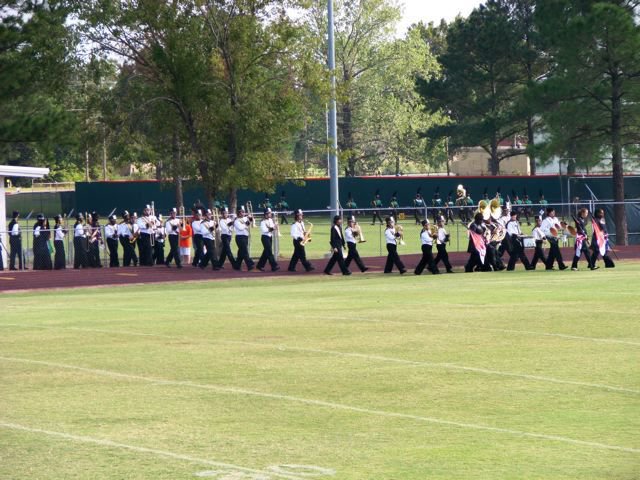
x,y
494,230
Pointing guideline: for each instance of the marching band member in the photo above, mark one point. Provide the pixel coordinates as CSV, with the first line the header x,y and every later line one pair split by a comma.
x,y
391,236
477,247
337,245
394,205
283,206
173,227
159,237
186,237
208,232
15,242
426,240
581,246
241,225
441,246
600,239
418,205
226,232
554,249
539,237
79,244
111,233
125,234
135,237
197,238
95,239
41,254
59,232
353,255
298,234
376,203
516,251
267,227
449,204
146,224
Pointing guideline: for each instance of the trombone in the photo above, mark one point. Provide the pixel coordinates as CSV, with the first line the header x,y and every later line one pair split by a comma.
x,y
249,207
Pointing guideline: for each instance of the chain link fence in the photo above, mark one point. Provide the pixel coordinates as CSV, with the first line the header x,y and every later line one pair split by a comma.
x,y
42,248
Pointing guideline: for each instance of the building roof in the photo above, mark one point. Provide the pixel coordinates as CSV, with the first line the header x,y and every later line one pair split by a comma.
x,y
30,172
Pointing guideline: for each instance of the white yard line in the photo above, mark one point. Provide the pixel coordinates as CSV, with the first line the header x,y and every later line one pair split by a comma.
x,y
322,403
331,316
153,451
365,356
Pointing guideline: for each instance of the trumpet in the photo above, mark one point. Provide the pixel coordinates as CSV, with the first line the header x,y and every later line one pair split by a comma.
x,y
307,235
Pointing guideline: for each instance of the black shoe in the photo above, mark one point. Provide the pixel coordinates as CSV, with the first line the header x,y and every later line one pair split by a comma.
x,y
563,267
13,269
179,266
402,272
215,269
365,269
250,268
311,269
291,270
327,273
275,269
346,273
168,266
260,268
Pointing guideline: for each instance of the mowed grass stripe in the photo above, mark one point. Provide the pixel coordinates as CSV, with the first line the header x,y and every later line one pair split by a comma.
x,y
321,403
146,450
365,356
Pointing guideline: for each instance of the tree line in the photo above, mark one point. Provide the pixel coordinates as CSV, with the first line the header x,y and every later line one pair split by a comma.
x,y
233,93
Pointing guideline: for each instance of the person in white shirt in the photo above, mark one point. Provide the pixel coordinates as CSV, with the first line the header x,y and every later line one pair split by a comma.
x,y
554,249
241,225
516,251
208,231
297,234
126,230
350,237
15,242
267,228
59,232
441,246
111,231
41,253
337,245
539,237
80,244
426,241
146,224
160,235
226,232
172,228
391,237
198,242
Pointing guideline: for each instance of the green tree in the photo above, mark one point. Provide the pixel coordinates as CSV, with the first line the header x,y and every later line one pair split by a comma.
x,y
37,62
480,84
593,92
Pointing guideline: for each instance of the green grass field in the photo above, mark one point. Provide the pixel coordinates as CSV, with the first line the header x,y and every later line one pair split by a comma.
x,y
486,376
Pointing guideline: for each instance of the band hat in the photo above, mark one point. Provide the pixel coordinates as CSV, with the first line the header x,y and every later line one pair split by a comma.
x,y
173,210
58,217
15,214
159,216
79,216
125,213
209,212
441,219
113,217
40,217
352,219
424,222
268,211
298,211
514,213
336,218
147,207
135,215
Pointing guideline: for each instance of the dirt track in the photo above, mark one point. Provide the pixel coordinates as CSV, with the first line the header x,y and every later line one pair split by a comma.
x,y
30,280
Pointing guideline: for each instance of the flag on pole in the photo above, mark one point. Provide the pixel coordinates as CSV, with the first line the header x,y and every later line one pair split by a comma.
x,y
479,244
600,238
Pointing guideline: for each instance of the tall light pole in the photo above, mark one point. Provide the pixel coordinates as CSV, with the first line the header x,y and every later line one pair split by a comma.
x,y
333,122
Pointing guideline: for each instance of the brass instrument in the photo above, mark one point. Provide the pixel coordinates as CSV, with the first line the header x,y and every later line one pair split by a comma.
x,y
249,208
498,234
555,231
495,209
484,208
151,221
433,231
400,230
307,234
358,233
276,224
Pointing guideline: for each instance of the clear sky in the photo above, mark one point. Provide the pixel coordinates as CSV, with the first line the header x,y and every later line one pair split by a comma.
x,y
433,10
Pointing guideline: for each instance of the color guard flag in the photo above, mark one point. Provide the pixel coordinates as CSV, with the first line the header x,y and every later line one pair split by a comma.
x,y
478,243
600,238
